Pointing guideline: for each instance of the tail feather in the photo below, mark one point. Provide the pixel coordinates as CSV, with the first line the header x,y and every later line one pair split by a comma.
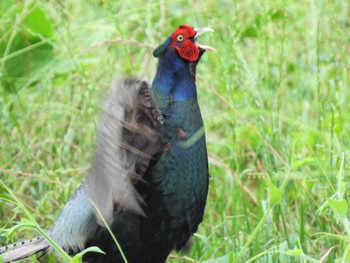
x,y
23,249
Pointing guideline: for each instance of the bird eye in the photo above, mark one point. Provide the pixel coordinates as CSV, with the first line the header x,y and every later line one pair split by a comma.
x,y
180,38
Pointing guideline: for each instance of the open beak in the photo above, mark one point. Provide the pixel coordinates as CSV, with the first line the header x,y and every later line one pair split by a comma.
x,y
200,31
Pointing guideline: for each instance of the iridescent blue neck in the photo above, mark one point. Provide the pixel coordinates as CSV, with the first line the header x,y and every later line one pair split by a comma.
x,y
174,80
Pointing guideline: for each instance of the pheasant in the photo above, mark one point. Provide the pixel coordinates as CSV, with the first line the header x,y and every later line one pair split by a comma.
x,y
149,175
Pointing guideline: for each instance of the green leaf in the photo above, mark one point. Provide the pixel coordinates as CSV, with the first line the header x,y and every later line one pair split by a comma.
x,y
25,224
3,239
297,252
339,207
25,53
346,256
204,239
38,22
5,4
78,257
302,162
277,14
6,198
274,193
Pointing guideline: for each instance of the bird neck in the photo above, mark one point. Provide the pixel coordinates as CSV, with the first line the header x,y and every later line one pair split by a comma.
x,y
175,79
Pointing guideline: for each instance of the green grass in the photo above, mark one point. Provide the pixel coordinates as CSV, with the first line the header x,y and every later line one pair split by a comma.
x,y
274,97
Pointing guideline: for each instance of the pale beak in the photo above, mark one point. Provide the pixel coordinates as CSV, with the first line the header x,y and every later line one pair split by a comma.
x,y
200,31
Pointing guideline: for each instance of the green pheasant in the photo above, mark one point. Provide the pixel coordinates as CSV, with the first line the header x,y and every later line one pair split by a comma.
x,y
149,177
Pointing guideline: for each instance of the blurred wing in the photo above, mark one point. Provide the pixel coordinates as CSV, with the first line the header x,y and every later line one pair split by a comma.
x,y
127,138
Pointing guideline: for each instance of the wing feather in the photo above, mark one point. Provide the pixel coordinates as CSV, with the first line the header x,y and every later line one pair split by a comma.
x,y
127,139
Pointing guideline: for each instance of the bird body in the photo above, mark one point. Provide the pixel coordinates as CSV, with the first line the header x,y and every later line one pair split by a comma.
x,y
149,177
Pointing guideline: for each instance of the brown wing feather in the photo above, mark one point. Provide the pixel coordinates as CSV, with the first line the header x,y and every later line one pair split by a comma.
x,y
127,138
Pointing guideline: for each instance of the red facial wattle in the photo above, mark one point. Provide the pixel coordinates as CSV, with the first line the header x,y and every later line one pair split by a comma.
x,y
188,50
184,41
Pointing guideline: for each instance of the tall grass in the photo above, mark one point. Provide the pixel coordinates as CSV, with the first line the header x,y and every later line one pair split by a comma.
x,y
274,96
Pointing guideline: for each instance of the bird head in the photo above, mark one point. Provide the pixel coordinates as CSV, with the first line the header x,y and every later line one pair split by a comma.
x,y
184,40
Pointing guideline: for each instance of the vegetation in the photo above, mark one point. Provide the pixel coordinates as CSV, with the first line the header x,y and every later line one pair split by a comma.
x,y
274,96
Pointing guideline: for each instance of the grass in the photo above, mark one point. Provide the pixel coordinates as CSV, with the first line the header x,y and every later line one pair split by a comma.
x,y
274,97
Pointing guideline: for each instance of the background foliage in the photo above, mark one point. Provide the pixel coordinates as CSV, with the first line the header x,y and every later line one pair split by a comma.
x,y
274,96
